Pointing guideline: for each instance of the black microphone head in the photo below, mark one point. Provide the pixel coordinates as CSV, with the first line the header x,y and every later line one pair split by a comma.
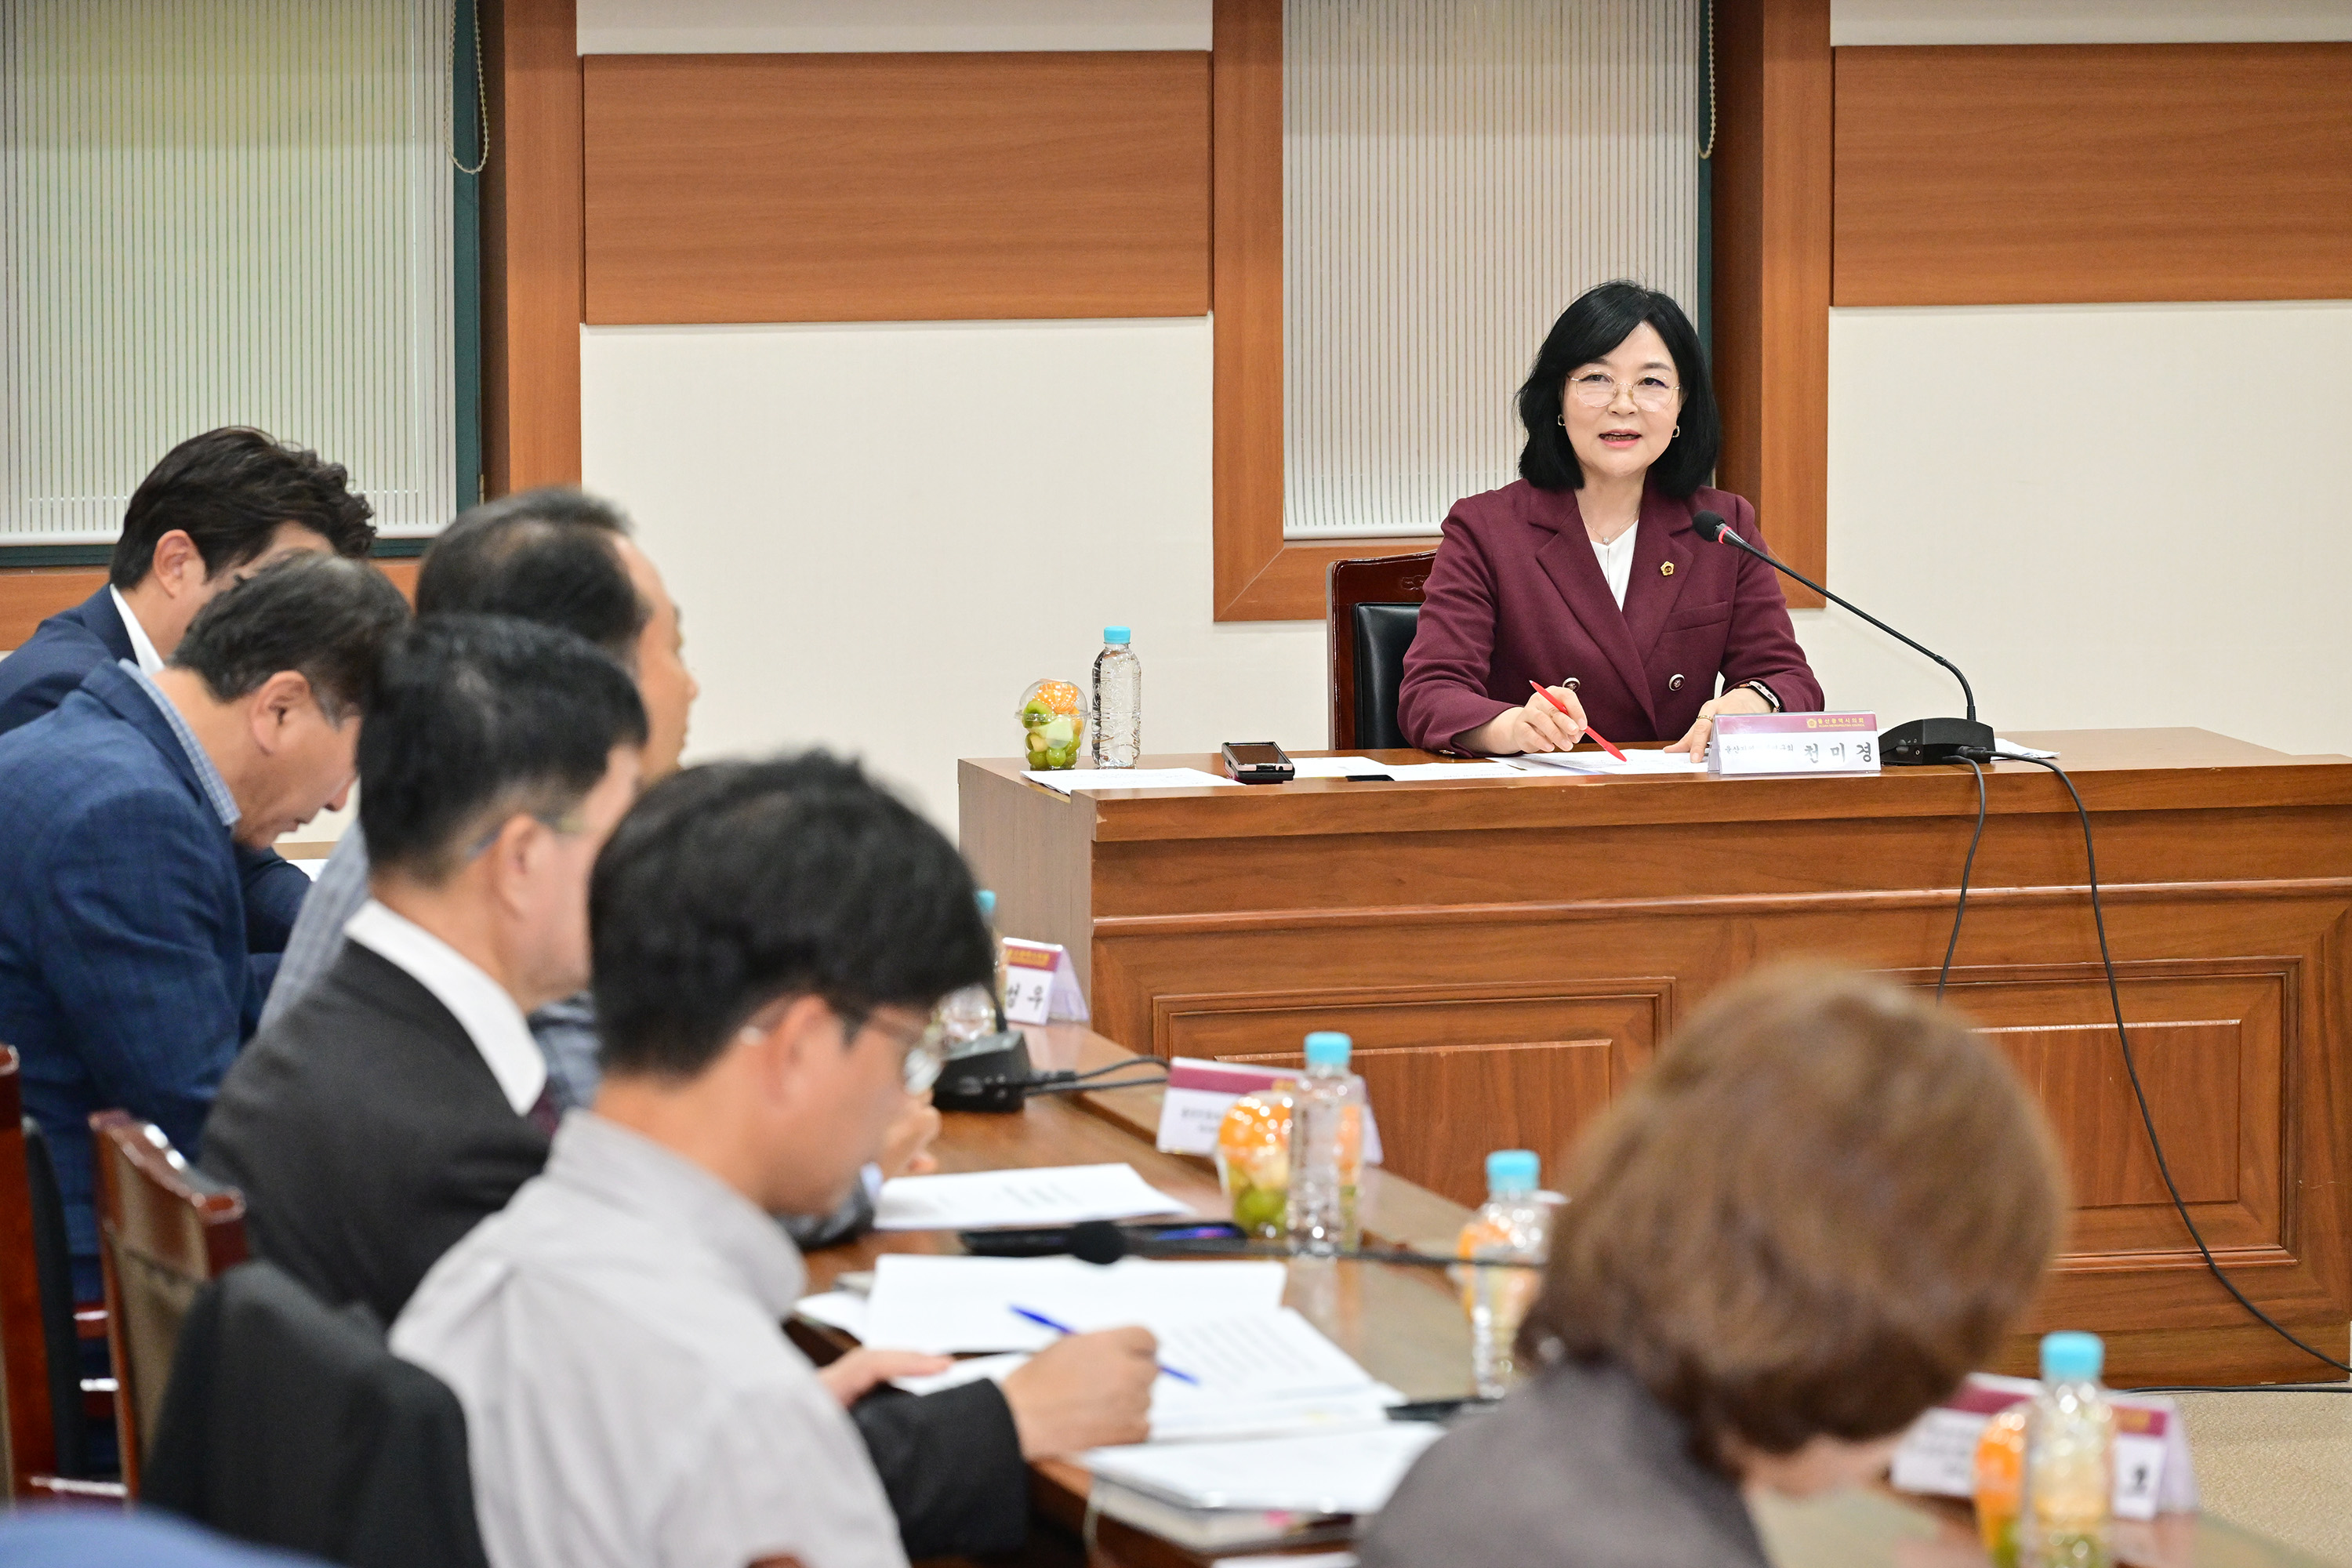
x,y
1097,1241
1709,524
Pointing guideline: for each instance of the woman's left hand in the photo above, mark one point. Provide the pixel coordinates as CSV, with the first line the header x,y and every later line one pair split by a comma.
x,y
1738,700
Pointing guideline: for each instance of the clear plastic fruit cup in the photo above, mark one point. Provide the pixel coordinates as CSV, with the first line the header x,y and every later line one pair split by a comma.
x,y
1053,718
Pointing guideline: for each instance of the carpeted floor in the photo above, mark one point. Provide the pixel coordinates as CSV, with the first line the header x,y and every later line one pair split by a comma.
x,y
2280,1464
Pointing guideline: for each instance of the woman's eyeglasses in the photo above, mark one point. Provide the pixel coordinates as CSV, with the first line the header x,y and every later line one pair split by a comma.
x,y
1599,389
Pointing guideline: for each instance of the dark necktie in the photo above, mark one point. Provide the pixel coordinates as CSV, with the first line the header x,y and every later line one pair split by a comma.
x,y
545,1112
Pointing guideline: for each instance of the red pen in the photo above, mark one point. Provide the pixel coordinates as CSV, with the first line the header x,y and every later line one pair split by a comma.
x,y
1597,735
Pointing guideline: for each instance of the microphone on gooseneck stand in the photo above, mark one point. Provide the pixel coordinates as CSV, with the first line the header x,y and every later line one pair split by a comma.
x,y
1918,741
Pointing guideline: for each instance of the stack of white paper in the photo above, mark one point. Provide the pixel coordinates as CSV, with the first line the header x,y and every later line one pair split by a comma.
x,y
1065,780
1254,1375
1350,1471
1598,761
951,1305
1051,1195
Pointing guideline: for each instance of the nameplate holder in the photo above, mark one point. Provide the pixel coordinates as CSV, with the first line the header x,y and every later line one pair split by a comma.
x,y
1938,1455
1041,984
1198,1094
1793,744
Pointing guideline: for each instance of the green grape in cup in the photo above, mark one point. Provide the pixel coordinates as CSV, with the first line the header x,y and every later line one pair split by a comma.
x,y
1054,723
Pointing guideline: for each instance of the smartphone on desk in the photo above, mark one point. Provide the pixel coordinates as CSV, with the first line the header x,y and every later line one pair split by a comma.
x,y
1258,762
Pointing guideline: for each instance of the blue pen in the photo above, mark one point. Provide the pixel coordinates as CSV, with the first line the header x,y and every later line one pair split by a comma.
x,y
1042,1321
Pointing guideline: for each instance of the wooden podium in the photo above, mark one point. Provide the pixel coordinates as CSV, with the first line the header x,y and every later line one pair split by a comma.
x,y
1509,953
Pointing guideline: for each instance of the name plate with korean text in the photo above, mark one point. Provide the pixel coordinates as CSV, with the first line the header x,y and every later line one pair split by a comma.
x,y
1793,744
1199,1093
1938,1456
1041,984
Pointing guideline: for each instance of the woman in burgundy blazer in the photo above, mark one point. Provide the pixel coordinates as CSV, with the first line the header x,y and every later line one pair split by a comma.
x,y
1621,427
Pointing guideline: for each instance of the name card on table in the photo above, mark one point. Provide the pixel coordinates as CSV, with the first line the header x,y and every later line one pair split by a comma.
x,y
1793,744
1041,984
1201,1092
1938,1456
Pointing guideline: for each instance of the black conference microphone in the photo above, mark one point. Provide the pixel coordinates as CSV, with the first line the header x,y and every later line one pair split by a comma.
x,y
1918,741
1101,1241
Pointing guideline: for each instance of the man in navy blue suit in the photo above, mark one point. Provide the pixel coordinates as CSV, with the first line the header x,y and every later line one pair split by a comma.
x,y
218,507
125,979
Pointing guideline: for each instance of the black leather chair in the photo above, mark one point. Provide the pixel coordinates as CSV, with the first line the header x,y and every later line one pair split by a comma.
x,y
1374,608
291,1424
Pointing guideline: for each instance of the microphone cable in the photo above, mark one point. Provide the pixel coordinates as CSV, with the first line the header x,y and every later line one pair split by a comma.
x,y
2148,1118
1967,868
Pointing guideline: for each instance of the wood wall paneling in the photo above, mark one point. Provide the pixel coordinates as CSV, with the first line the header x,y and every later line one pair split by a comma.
x,y
2069,174
531,264
1259,576
848,188
1772,275
29,596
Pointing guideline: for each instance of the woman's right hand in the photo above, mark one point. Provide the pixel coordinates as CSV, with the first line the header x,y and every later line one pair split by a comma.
x,y
1536,726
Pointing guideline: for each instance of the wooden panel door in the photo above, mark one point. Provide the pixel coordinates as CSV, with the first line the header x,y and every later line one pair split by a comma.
x,y
1452,1077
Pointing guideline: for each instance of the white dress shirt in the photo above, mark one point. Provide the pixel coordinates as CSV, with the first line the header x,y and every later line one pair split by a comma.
x,y
631,1400
142,646
1617,561
480,1004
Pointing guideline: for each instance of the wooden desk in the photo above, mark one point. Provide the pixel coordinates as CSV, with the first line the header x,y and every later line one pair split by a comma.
x,y
1404,1325
1407,1328
1507,954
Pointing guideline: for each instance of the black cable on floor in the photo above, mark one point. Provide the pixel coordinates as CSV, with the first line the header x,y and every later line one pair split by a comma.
x,y
1966,868
2131,1066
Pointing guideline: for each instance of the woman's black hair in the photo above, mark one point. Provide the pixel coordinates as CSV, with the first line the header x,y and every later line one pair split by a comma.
x,y
1592,327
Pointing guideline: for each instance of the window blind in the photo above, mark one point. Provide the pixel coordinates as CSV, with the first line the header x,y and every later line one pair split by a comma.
x,y
1454,173
217,212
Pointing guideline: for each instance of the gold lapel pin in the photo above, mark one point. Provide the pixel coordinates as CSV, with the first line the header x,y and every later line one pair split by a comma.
x,y
1665,568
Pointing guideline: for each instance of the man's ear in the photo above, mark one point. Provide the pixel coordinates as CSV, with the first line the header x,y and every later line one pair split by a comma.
x,y
276,704
177,565
789,1041
507,857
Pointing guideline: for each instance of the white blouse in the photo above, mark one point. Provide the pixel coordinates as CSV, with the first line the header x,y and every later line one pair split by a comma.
x,y
1617,561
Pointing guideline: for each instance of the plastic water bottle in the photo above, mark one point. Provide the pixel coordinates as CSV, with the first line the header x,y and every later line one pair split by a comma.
x,y
2070,1478
1326,1149
1118,701
971,1013
1514,1223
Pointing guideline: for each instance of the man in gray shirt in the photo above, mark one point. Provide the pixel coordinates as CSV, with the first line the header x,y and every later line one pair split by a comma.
x,y
769,941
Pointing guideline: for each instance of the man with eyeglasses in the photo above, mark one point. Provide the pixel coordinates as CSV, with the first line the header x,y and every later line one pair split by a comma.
x,y
769,942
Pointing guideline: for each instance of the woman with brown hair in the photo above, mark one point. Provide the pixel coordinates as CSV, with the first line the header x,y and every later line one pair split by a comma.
x,y
1825,1203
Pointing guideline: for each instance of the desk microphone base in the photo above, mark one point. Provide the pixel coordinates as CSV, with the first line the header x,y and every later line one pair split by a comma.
x,y
1923,741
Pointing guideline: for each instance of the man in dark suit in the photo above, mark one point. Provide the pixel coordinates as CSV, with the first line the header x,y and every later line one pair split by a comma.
x,y
400,1102
218,507
497,756
125,980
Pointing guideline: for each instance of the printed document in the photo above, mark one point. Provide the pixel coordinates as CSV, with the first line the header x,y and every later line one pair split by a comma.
x,y
1049,1195
1324,1472
954,1305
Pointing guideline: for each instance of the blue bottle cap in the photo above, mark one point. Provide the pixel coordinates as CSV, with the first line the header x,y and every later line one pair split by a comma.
x,y
1116,633
1329,1048
987,904
2070,1356
1511,1172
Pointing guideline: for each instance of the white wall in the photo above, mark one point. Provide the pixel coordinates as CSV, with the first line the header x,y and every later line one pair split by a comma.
x,y
2087,21
881,534
2107,515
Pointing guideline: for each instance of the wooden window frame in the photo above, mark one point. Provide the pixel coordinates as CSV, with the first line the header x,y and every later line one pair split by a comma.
x,y
1771,295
